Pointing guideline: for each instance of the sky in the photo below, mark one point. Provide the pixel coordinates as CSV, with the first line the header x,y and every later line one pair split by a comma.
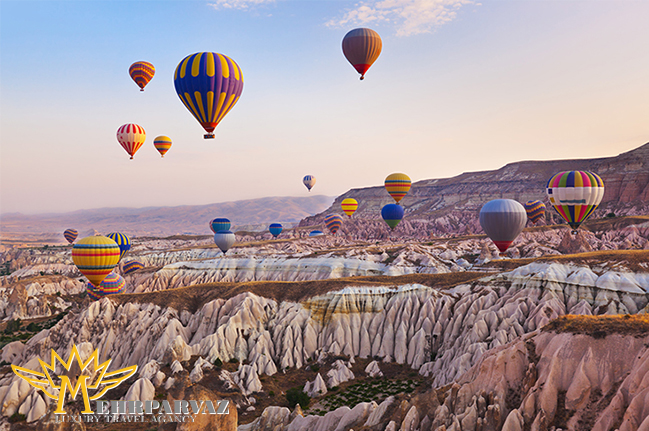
x,y
459,86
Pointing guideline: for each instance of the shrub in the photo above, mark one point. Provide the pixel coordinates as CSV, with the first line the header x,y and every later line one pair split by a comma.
x,y
610,215
12,326
33,327
297,396
17,417
271,393
233,361
315,368
218,363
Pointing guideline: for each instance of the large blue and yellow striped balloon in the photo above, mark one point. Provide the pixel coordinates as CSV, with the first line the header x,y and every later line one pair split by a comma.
x,y
131,266
333,223
122,241
95,257
209,85
575,195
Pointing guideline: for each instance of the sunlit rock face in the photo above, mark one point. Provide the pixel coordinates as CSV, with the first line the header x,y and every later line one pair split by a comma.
x,y
441,333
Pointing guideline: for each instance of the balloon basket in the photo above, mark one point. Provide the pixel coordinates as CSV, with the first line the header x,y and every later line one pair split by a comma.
x,y
574,231
208,136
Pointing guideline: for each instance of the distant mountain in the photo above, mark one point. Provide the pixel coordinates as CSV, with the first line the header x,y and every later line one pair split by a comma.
x,y
451,205
165,221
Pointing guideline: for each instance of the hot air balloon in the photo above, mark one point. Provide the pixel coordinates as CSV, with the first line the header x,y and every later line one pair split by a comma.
x,y
535,210
162,144
219,224
122,241
362,46
333,223
111,285
131,266
309,181
224,240
209,85
131,137
141,72
392,214
316,233
397,185
70,235
275,229
349,206
575,195
93,292
95,256
502,220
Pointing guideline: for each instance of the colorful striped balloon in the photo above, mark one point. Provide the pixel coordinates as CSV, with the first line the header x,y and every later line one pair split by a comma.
x,y
333,223
70,235
575,195
275,229
95,256
316,233
535,210
361,47
122,241
309,181
397,185
94,293
162,144
219,224
392,214
111,285
349,206
131,266
141,72
209,85
131,137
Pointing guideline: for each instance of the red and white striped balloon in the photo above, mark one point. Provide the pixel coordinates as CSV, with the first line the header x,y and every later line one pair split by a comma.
x,y
131,137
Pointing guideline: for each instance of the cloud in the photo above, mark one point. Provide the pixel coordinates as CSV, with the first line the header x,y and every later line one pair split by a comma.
x,y
238,4
409,16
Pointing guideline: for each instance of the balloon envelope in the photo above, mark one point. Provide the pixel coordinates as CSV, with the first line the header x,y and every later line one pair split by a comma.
x,y
333,223
111,285
397,185
122,241
95,257
502,220
224,240
309,181
392,214
316,233
361,47
162,144
349,206
209,85
70,235
535,210
141,72
219,224
131,137
275,229
575,195
132,266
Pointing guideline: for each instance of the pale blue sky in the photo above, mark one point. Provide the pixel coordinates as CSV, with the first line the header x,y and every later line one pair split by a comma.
x,y
460,86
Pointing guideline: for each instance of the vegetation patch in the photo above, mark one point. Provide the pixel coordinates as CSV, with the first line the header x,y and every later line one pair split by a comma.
x,y
362,392
600,326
